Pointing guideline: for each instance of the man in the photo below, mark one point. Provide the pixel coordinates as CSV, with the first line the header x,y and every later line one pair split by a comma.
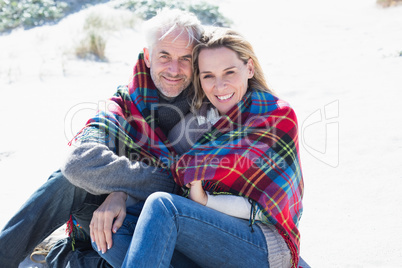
x,y
111,149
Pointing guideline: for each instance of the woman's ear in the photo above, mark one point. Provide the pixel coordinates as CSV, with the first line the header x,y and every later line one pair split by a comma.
x,y
250,68
146,57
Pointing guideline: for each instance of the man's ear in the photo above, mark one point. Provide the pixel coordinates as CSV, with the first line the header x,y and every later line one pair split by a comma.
x,y
146,57
250,68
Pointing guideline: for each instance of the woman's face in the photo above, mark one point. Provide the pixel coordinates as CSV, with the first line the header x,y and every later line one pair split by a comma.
x,y
224,77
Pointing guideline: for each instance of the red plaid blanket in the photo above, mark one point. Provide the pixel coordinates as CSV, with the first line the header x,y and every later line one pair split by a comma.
x,y
253,152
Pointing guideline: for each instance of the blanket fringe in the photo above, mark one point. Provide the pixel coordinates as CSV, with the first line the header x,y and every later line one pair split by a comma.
x,y
70,231
253,212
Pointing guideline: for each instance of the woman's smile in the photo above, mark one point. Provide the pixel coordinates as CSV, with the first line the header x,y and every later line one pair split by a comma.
x,y
225,97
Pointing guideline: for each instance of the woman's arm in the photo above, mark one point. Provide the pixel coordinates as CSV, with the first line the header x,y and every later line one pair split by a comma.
x,y
232,205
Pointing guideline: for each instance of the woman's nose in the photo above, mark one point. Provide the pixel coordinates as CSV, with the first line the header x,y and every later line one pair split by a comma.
x,y
220,84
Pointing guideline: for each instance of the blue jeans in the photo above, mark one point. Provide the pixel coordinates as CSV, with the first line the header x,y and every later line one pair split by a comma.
x,y
170,223
46,210
122,239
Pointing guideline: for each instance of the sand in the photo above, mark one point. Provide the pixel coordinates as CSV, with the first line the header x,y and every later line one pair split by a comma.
x,y
337,62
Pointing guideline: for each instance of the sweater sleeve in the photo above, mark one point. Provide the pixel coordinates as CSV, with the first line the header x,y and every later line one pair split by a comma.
x,y
232,205
95,168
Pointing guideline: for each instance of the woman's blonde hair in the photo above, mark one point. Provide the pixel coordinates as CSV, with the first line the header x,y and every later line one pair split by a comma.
x,y
224,37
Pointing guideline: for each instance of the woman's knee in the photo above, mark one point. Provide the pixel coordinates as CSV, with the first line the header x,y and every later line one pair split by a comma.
x,y
159,196
160,201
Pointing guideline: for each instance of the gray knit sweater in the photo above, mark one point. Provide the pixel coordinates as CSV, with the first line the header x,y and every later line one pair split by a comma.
x,y
93,166
98,170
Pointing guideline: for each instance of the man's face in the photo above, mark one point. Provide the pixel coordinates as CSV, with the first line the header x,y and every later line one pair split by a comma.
x,y
171,64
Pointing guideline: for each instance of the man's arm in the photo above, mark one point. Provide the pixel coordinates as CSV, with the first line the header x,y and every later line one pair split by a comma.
x,y
98,170
95,168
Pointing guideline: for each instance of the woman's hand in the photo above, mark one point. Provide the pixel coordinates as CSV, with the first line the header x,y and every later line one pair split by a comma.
x,y
197,193
102,225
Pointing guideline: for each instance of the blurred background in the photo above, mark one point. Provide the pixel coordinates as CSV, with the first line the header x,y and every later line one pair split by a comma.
x,y
338,63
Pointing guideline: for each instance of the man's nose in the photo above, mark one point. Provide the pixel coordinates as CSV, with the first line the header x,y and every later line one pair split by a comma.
x,y
174,67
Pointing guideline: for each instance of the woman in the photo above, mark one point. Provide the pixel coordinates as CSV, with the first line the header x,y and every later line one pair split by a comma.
x,y
245,165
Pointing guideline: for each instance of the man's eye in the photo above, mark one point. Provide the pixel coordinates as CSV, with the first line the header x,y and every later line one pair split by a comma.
x,y
186,59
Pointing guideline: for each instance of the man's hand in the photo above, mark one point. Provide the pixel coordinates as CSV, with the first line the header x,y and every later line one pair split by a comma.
x,y
197,193
113,207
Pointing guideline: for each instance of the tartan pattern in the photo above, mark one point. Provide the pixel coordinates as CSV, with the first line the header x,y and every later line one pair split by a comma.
x,y
253,151
127,125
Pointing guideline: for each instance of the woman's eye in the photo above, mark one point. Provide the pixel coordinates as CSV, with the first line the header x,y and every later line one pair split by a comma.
x,y
207,76
230,72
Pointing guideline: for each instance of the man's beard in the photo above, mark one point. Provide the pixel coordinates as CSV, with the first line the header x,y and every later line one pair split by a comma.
x,y
170,93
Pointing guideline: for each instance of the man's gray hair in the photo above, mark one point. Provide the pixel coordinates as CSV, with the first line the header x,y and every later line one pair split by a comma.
x,y
170,20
